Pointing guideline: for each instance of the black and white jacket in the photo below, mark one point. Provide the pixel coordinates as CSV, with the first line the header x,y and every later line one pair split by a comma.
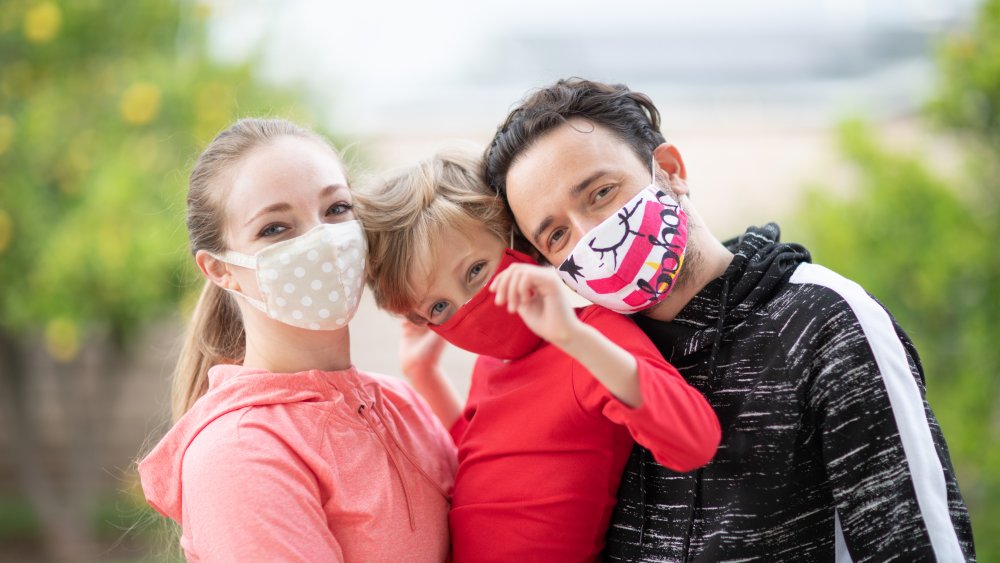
x,y
829,451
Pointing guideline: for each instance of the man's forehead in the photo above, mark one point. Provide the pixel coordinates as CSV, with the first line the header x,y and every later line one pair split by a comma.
x,y
571,151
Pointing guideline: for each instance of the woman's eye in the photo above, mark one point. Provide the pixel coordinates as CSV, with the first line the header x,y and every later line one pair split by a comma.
x,y
339,208
476,269
272,230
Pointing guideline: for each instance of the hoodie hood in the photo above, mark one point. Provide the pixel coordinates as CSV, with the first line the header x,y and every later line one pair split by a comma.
x,y
230,388
760,266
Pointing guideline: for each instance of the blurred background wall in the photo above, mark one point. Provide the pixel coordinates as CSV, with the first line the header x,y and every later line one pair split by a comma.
x,y
869,130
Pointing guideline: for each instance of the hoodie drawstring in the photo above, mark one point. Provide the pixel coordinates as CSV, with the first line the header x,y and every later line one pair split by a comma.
x,y
643,459
395,464
712,382
406,455
717,342
362,409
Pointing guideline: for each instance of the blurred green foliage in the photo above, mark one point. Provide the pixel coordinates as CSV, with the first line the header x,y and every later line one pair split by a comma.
x,y
925,244
103,106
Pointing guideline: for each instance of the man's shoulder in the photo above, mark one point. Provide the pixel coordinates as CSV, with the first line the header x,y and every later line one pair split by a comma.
x,y
816,292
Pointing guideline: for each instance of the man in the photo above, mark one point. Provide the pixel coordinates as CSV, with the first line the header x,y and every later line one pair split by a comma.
x,y
829,449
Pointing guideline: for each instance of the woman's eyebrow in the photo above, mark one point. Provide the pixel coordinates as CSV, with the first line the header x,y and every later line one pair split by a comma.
x,y
282,206
330,189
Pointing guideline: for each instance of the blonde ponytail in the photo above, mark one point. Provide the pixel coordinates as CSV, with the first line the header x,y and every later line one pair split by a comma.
x,y
214,335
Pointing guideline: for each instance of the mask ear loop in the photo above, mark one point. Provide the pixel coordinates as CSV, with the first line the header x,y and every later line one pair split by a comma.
x,y
511,246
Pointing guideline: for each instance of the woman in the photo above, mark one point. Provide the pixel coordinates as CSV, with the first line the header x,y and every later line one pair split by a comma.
x,y
282,449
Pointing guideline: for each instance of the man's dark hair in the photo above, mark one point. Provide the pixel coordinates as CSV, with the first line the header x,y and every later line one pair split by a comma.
x,y
629,115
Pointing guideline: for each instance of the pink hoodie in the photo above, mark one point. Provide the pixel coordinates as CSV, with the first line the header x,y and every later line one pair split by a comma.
x,y
309,466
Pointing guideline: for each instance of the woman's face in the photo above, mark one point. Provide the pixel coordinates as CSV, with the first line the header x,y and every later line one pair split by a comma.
x,y
279,191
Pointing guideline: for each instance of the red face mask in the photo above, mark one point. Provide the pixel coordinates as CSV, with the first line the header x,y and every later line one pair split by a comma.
x,y
481,327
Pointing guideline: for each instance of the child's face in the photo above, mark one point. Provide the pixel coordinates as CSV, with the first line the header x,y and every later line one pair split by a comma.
x,y
461,264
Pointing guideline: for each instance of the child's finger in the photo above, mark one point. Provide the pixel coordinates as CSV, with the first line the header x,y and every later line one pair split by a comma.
x,y
527,286
499,287
513,292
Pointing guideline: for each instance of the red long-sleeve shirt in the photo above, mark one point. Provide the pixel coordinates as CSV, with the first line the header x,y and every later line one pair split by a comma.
x,y
542,445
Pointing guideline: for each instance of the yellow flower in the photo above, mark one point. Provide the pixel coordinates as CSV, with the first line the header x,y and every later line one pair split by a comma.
x,y
42,23
140,103
6,230
6,133
62,339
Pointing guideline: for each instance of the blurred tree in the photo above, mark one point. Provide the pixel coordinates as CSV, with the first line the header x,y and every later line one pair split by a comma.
x,y
926,246
103,105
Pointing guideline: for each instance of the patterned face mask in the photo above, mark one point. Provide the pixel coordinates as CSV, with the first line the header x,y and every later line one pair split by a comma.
x,y
630,261
313,281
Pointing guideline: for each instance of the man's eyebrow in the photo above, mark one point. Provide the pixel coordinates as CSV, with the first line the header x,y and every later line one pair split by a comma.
x,y
575,192
541,229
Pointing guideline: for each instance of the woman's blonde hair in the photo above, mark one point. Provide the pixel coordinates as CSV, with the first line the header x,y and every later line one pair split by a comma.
x,y
215,333
404,215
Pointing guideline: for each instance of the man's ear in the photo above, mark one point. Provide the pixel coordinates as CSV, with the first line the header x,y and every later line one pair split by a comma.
x,y
670,161
215,270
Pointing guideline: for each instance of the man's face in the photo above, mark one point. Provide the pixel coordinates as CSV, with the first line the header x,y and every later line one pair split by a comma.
x,y
569,181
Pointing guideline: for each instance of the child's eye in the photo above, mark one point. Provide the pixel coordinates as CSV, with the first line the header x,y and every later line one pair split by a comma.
x,y
476,269
437,310
339,208
272,230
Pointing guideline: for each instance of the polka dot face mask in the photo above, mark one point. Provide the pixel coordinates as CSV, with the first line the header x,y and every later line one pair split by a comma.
x,y
313,281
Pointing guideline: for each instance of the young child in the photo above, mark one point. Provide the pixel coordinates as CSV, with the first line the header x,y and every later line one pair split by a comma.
x,y
558,396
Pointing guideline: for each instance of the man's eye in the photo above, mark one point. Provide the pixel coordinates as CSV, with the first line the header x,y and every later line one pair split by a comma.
x,y
602,193
272,230
556,236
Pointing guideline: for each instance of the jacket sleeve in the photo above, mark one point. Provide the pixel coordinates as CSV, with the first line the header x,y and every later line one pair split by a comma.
x,y
893,485
247,496
674,421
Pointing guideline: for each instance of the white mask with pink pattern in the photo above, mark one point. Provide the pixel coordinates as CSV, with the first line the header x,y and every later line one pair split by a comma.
x,y
313,281
630,261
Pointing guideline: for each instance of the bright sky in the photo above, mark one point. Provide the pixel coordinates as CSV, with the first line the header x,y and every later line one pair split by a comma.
x,y
451,64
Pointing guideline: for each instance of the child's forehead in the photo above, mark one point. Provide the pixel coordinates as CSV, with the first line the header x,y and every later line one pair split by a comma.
x,y
436,255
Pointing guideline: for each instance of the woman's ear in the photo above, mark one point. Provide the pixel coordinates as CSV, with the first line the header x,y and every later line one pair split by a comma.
x,y
670,161
215,270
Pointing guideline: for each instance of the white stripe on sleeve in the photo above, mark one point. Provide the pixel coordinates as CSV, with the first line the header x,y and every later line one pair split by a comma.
x,y
907,406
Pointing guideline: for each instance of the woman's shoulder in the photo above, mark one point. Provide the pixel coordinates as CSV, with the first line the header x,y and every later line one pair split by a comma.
x,y
235,443
393,384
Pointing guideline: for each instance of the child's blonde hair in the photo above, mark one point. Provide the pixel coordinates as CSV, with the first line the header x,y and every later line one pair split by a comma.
x,y
405,214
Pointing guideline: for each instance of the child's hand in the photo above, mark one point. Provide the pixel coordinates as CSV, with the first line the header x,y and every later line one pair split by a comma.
x,y
535,293
419,349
